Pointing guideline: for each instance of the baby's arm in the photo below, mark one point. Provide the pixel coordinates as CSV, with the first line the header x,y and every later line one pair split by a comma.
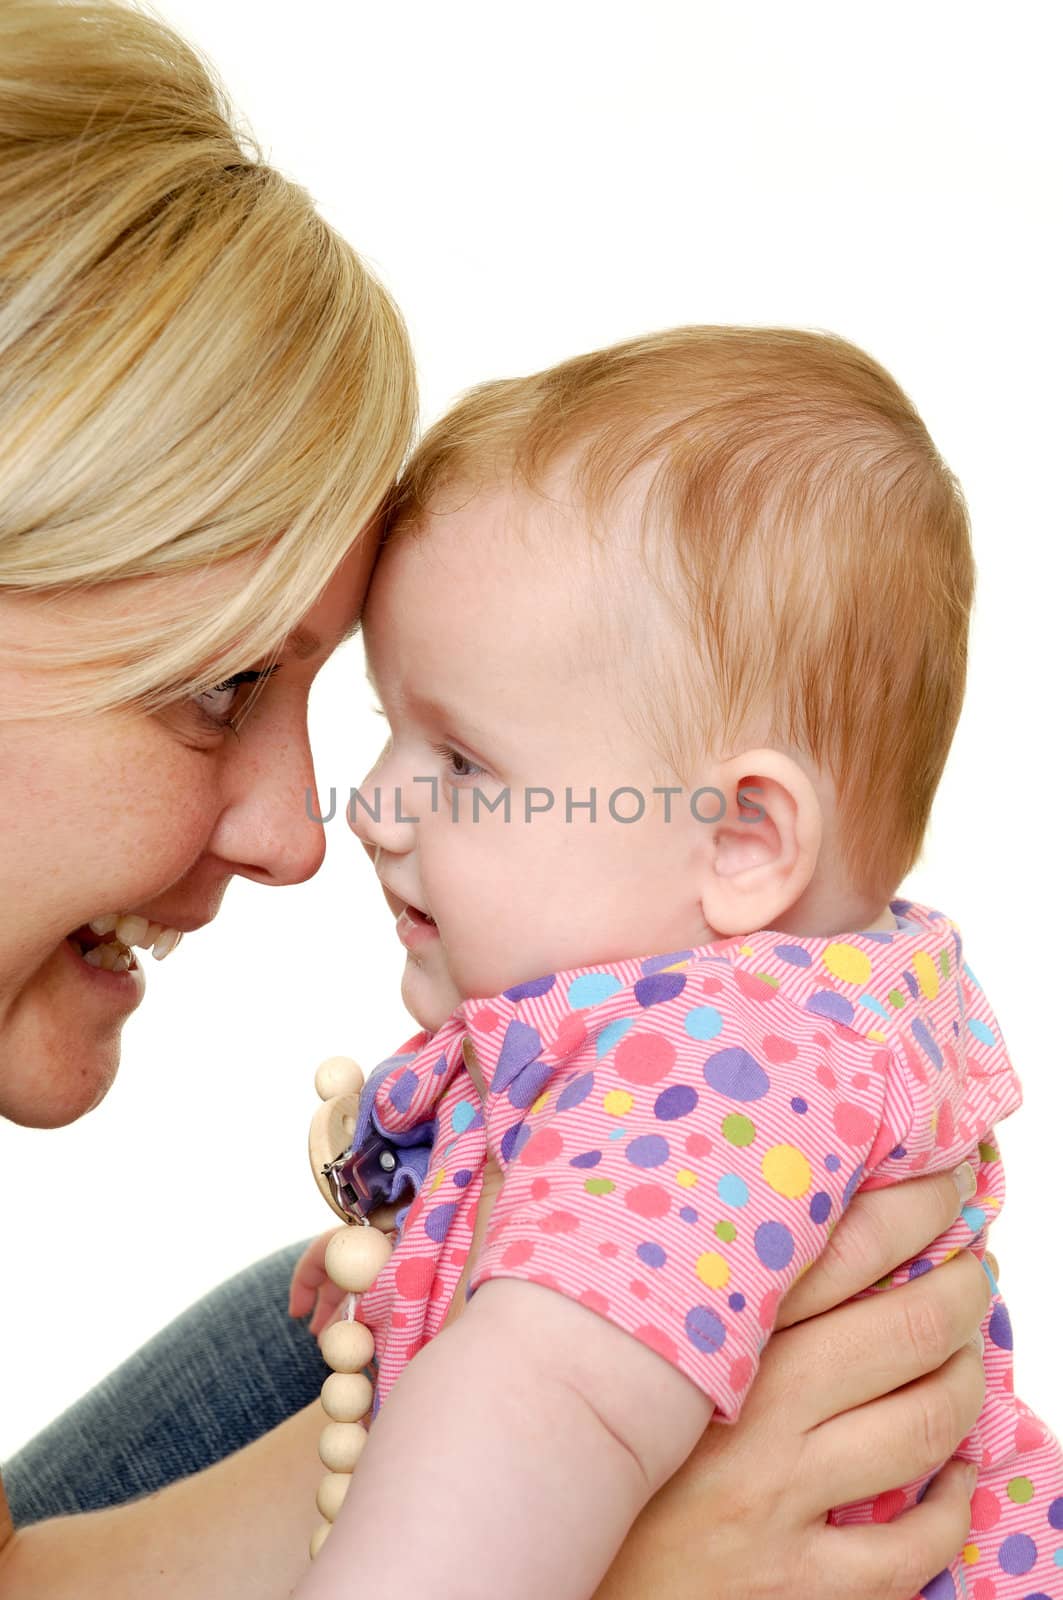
x,y
515,1451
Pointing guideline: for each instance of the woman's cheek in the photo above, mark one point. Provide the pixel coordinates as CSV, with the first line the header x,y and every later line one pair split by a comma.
x,y
167,819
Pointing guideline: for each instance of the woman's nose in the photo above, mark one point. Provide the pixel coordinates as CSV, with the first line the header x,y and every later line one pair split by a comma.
x,y
271,829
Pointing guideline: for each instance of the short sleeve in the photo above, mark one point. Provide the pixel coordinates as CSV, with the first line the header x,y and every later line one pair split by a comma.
x,y
682,1163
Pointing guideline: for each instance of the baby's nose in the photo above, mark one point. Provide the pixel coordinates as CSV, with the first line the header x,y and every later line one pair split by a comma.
x,y
381,815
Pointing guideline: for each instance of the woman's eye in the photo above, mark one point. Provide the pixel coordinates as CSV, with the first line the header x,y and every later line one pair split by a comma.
x,y
218,702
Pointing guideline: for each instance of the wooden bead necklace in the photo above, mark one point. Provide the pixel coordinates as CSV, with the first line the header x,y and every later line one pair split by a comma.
x,y
354,1259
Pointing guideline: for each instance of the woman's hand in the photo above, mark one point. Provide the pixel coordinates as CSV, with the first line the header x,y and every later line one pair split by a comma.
x,y
745,1516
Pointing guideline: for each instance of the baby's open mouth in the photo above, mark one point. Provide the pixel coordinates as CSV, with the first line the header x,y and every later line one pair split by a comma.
x,y
108,941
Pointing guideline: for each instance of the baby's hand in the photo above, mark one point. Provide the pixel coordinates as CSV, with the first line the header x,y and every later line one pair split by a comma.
x,y
312,1289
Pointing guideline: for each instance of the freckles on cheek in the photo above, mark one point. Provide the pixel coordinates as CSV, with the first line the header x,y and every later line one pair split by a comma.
x,y
167,819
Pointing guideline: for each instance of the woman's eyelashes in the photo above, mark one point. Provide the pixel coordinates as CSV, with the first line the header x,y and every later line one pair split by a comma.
x,y
218,705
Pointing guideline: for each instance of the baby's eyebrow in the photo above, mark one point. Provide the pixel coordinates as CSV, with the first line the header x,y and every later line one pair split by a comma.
x,y
454,717
430,705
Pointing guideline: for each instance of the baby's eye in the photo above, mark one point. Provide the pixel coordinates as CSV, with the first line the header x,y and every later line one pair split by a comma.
x,y
458,765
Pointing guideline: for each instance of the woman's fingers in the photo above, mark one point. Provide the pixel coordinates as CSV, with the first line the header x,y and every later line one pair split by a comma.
x,y
881,1229
870,1347
905,1436
912,1550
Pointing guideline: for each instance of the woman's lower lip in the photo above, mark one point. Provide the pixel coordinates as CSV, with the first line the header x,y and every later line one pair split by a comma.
x,y
119,987
414,930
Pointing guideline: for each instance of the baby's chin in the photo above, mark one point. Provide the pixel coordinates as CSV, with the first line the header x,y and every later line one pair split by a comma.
x,y
430,998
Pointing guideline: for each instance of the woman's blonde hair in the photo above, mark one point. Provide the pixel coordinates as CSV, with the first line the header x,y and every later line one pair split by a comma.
x,y
193,365
818,546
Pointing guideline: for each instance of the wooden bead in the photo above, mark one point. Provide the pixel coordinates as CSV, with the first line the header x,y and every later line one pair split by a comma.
x,y
331,1493
319,1537
347,1346
346,1396
341,1444
338,1075
355,1256
331,1132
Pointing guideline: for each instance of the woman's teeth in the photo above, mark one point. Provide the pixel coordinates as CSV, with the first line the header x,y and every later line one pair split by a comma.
x,y
111,957
129,930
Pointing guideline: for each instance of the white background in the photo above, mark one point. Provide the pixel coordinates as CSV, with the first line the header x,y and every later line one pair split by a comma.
x,y
532,181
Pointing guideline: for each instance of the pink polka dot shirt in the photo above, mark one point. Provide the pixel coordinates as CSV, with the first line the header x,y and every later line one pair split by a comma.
x,y
679,1135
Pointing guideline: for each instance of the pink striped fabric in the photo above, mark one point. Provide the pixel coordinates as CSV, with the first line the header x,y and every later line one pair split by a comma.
x,y
679,1134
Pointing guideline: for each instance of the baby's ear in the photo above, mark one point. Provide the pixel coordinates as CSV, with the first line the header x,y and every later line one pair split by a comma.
x,y
764,848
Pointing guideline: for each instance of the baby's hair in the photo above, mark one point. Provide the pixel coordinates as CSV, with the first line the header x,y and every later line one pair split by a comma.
x,y
193,365
817,545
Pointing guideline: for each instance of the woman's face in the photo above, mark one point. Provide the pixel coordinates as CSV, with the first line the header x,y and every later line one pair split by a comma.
x,y
137,813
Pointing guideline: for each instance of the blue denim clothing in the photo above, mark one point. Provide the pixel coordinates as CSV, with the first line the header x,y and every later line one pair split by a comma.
x,y
226,1371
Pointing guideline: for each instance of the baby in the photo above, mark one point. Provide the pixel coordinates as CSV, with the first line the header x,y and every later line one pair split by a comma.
x,y
671,644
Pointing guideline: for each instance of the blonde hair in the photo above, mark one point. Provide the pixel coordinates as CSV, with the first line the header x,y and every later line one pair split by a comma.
x,y
193,365
819,545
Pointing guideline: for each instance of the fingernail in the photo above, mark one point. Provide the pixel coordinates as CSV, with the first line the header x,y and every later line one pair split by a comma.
x,y
965,1181
978,1340
970,1473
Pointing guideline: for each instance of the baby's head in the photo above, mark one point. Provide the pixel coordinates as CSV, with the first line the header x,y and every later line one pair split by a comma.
x,y
619,595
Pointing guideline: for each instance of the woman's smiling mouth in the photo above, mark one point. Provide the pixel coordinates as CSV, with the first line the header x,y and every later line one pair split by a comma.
x,y
108,941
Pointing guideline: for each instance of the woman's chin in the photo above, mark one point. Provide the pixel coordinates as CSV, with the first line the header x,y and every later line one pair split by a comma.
x,y
61,1038
37,1102
54,1074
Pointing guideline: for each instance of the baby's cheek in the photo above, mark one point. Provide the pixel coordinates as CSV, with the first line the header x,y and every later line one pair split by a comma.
x,y
501,897
481,958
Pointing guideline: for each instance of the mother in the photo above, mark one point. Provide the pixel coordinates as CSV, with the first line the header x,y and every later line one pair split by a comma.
x,y
203,398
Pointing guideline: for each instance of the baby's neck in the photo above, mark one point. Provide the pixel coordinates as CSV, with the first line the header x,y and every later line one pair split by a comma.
x,y
885,922
827,909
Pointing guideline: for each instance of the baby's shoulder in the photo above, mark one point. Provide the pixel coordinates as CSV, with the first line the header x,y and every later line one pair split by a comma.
x,y
889,1003
931,1038
889,988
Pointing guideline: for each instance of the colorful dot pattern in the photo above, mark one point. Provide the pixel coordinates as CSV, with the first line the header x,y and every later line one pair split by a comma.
x,y
680,1134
